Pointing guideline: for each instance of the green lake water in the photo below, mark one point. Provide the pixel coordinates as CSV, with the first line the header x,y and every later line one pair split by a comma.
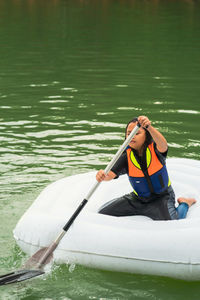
x,y
72,73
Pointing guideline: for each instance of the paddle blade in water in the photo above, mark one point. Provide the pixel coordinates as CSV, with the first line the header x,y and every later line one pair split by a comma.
x,y
42,257
39,259
19,275
32,268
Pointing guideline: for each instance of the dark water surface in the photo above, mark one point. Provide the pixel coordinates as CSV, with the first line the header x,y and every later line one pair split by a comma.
x,y
72,73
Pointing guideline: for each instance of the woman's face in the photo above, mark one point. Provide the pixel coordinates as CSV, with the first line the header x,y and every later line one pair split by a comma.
x,y
139,139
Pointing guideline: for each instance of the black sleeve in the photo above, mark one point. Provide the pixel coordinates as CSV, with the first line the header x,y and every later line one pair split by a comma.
x,y
121,166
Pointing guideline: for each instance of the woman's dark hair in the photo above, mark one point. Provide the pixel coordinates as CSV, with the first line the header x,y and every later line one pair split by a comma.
x,y
149,138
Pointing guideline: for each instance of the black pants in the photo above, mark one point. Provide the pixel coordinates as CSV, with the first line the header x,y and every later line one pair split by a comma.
x,y
160,208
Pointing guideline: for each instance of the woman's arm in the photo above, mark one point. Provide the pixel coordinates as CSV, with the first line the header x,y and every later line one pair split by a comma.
x,y
158,138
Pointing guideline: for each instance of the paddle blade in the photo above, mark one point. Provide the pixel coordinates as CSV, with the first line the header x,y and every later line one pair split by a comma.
x,y
18,276
32,267
41,258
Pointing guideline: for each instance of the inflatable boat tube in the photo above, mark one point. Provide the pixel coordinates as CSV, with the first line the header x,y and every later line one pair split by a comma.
x,y
124,244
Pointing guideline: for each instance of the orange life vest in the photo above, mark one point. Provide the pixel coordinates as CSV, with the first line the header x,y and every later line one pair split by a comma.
x,y
153,180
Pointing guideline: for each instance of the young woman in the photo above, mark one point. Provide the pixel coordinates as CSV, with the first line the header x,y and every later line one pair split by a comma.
x,y
144,161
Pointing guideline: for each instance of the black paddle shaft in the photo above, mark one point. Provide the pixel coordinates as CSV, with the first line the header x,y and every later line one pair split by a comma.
x,y
75,214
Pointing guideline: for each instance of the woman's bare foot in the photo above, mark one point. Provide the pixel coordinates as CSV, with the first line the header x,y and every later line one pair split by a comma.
x,y
189,201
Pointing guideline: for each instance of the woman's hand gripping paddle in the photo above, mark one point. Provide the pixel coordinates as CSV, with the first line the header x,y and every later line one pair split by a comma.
x,y
34,266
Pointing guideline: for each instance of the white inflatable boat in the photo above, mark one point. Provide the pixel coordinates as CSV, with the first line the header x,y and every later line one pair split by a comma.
x,y
124,244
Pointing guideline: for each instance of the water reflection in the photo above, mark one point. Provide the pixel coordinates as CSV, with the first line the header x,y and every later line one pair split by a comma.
x,y
35,156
